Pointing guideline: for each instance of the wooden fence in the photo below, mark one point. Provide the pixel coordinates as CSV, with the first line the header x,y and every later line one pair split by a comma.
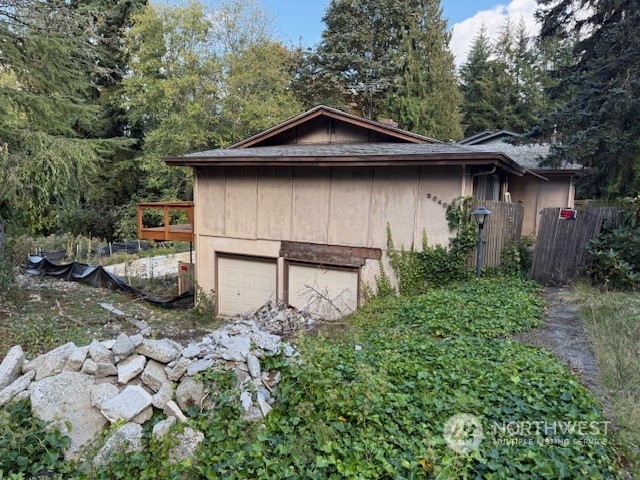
x,y
504,224
561,246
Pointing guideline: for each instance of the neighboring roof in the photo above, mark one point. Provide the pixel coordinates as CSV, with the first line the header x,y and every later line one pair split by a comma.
x,y
487,136
322,110
527,155
349,154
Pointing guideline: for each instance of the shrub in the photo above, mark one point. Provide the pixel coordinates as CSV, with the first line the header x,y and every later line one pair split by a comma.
x,y
614,255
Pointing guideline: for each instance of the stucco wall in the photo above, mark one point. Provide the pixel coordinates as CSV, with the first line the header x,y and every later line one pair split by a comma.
x,y
537,194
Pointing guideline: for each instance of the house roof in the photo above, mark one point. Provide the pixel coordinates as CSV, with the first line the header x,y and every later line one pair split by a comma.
x,y
353,154
394,133
398,147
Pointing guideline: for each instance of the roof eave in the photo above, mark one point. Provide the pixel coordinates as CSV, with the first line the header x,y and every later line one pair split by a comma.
x,y
352,161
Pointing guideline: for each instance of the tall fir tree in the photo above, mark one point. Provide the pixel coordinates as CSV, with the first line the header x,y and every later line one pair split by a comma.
x,y
502,83
387,58
478,87
599,123
425,97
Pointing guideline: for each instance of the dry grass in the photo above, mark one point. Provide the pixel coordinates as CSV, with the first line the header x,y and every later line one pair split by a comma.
x,y
613,322
41,313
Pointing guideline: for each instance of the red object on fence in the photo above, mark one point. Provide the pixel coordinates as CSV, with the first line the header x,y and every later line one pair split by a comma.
x,y
568,214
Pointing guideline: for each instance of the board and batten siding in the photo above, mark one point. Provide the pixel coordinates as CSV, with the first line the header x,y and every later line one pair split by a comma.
x,y
328,205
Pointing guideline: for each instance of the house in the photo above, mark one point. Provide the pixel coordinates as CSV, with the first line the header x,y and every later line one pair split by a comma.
x,y
299,212
540,187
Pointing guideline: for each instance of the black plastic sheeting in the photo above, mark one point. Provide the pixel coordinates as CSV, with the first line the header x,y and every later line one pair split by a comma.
x,y
96,276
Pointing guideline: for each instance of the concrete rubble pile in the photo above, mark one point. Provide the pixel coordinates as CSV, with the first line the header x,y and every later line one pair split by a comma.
x,y
123,380
282,319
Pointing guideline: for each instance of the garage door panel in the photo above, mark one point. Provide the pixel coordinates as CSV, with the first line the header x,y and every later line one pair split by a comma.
x,y
245,284
327,292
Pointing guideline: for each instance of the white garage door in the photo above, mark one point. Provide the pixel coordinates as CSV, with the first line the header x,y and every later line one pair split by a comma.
x,y
327,292
245,284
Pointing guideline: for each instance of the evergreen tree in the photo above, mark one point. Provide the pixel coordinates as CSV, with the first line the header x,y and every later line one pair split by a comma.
x,y
384,57
599,124
426,98
200,80
478,87
45,106
503,83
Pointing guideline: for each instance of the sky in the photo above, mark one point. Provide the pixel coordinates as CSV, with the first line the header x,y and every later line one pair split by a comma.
x,y
300,21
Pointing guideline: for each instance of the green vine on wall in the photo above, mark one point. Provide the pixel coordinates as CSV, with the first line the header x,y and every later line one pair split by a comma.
x,y
433,266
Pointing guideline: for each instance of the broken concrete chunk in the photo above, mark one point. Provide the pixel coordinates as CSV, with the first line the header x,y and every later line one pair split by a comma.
x,y
199,366
179,369
254,366
123,347
66,399
154,375
114,310
143,416
20,384
245,400
161,428
89,367
191,351
161,350
102,392
104,369
130,368
99,353
266,341
237,348
191,393
11,366
128,438
127,404
136,339
172,409
51,363
187,444
164,396
76,359
265,408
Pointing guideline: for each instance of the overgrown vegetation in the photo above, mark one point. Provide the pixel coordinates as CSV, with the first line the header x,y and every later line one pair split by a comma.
x,y
433,266
28,446
371,400
614,256
488,309
613,322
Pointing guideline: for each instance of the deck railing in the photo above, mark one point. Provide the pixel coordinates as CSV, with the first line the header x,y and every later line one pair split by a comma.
x,y
168,231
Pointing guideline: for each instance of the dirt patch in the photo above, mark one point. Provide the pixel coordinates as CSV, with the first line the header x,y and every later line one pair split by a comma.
x,y
564,334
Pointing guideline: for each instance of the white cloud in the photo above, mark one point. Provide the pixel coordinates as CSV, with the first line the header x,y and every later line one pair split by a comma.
x,y
464,32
